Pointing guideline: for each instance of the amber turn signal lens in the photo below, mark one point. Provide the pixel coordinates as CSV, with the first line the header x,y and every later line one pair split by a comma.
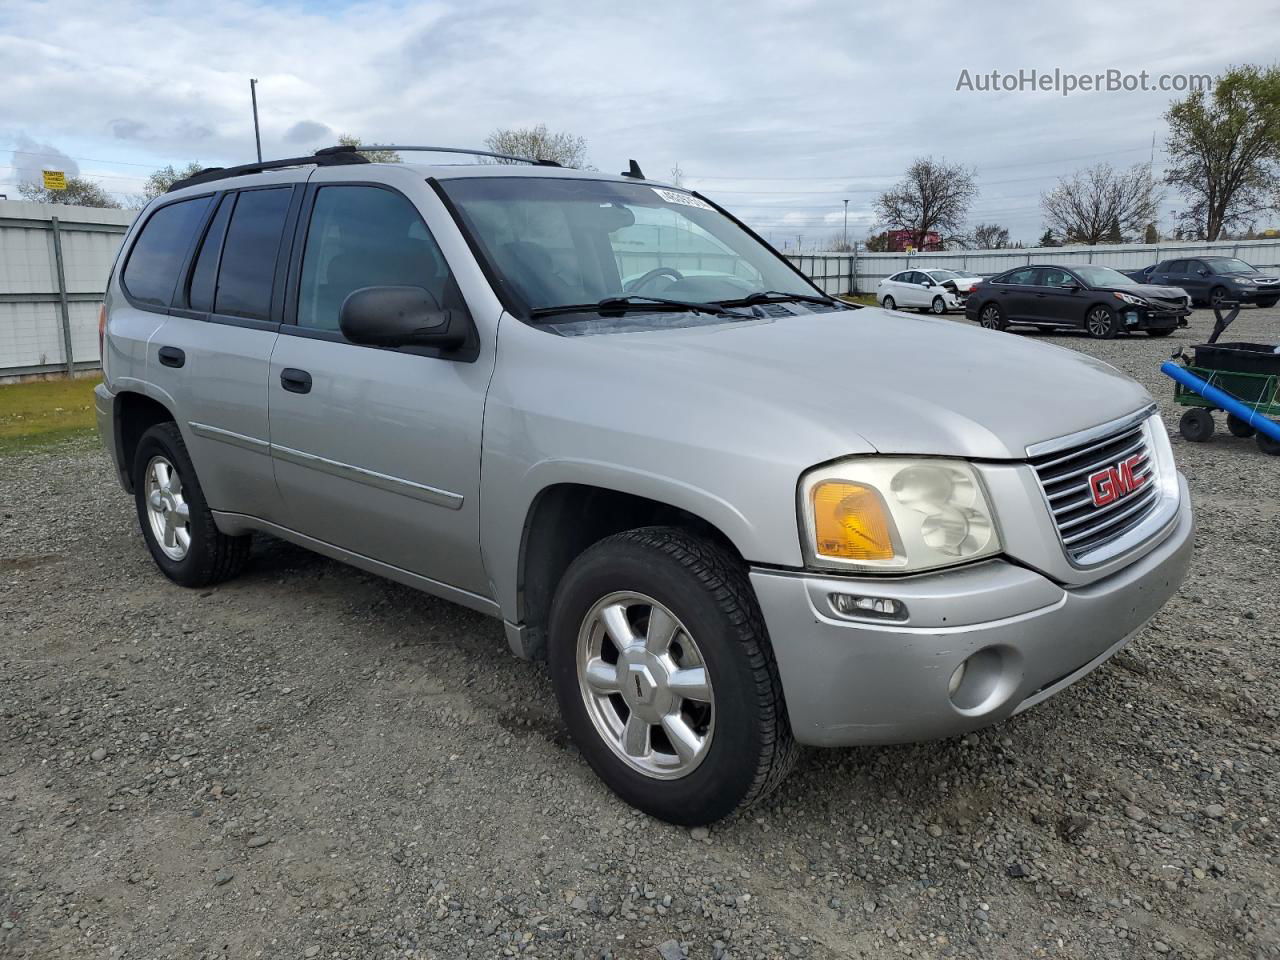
x,y
850,522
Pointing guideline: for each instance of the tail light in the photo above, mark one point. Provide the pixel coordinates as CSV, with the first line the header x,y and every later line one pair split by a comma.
x,y
102,333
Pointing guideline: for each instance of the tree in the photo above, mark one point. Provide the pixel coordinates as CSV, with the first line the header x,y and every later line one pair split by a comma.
x,y
161,180
1224,151
934,196
990,236
537,143
1151,234
80,192
1047,239
1113,234
373,156
1094,204
879,243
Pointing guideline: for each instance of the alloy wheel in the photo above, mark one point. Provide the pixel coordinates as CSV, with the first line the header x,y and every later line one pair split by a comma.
x,y
645,684
938,306
1099,321
167,509
990,317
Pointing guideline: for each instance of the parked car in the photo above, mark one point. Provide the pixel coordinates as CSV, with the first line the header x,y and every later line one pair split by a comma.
x,y
929,291
1099,300
1211,280
1140,276
734,514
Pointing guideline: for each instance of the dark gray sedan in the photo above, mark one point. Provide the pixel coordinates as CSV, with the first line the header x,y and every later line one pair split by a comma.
x,y
1101,301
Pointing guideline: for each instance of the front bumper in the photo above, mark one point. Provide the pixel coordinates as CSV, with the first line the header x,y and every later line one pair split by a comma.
x,y
1022,636
1150,318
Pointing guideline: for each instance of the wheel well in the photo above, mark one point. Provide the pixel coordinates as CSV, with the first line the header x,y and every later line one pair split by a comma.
x,y
135,415
564,521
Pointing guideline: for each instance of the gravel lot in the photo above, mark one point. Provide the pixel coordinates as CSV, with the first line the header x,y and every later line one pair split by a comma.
x,y
311,762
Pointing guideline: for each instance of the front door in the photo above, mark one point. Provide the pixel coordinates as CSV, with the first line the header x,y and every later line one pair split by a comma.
x,y
1059,297
377,451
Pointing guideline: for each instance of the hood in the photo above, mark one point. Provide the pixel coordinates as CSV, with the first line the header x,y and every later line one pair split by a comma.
x,y
1154,290
865,379
963,284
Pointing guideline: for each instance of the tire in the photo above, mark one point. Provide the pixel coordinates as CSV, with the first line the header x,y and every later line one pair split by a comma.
x,y
1268,446
1238,427
1159,333
992,317
1100,322
938,307
1196,425
1217,295
208,556
745,744
1268,301
889,303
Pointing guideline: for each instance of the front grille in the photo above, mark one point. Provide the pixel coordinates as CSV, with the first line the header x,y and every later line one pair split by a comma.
x,y
1064,476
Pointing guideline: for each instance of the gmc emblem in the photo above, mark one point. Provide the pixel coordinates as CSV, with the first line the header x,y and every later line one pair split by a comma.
x,y
1115,482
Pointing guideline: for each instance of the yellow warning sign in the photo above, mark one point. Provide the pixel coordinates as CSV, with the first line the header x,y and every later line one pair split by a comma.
x,y
55,180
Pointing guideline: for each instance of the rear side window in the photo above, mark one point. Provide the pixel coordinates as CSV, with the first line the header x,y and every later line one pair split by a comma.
x,y
151,274
205,275
1177,266
1025,276
248,268
366,237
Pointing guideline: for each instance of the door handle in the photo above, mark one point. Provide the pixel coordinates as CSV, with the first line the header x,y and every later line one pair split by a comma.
x,y
1041,294
172,357
295,380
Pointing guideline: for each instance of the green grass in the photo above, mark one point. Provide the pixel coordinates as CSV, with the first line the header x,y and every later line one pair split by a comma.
x,y
866,299
40,412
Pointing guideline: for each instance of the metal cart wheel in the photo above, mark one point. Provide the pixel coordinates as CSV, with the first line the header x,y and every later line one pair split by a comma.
x,y
1196,425
1267,445
1238,427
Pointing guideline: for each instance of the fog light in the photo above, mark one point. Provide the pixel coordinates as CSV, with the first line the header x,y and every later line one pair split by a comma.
x,y
853,605
957,678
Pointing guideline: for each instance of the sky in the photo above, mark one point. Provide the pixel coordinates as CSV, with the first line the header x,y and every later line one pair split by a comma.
x,y
779,110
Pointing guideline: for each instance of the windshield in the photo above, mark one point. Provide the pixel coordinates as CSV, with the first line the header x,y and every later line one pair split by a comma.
x,y
1103,277
560,242
1231,265
941,275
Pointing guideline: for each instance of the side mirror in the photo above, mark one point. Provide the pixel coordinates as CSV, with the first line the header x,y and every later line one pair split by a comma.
x,y
1203,272
928,283
400,317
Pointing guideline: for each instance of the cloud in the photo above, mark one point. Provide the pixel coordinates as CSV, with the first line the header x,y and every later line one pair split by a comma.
x,y
126,129
308,131
32,156
814,101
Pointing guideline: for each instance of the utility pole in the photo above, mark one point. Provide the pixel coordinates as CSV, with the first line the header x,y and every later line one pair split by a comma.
x,y
845,238
257,137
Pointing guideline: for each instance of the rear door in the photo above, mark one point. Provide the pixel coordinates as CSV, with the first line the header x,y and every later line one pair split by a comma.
x,y
211,354
1016,292
377,451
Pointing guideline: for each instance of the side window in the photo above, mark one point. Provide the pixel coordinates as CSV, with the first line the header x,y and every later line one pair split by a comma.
x,y
151,275
205,274
1054,278
1177,266
913,276
366,237
249,253
1026,275
898,278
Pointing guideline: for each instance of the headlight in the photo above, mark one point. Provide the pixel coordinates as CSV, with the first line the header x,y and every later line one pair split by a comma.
x,y
1244,280
893,514
1129,298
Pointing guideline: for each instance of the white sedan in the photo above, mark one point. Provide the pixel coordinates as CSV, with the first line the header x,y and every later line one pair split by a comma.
x,y
929,291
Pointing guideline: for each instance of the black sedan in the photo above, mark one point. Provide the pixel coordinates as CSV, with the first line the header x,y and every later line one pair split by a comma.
x,y
1213,280
1098,300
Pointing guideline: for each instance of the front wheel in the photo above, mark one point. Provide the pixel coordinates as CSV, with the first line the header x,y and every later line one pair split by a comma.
x,y
939,306
666,678
1238,427
888,303
1100,322
176,521
1216,296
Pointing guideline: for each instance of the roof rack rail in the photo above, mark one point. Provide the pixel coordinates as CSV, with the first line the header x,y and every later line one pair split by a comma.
x,y
332,157
327,151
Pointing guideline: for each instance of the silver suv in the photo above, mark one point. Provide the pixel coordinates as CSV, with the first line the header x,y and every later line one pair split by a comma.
x,y
734,514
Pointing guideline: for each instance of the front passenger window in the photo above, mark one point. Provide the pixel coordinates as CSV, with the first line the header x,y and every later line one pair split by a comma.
x,y
362,236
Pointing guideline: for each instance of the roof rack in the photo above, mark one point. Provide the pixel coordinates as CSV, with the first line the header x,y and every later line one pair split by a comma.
x,y
464,150
330,157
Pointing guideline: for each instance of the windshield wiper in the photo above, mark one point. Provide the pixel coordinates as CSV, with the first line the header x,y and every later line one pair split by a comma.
x,y
778,296
633,302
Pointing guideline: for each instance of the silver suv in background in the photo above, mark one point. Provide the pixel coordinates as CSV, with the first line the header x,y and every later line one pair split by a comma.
x,y
734,514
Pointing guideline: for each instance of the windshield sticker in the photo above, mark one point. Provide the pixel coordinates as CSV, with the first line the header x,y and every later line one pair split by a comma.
x,y
688,199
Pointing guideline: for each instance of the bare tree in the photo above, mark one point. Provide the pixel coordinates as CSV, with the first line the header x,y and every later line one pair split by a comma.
x,y
1224,152
990,236
537,143
80,192
1093,205
374,156
934,196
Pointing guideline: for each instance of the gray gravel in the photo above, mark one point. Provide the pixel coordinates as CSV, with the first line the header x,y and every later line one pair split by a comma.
x,y
311,762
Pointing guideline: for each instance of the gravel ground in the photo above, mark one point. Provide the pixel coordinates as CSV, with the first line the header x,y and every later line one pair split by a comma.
x,y
311,762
